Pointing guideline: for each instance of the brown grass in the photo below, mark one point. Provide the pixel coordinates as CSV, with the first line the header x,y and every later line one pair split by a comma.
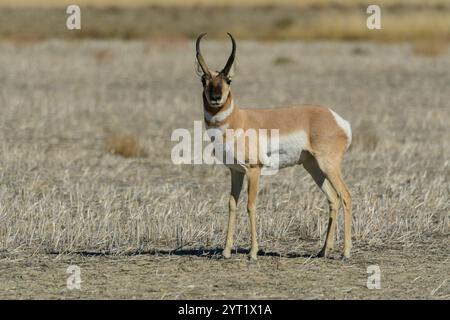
x,y
283,60
221,3
401,21
103,55
24,39
431,47
127,146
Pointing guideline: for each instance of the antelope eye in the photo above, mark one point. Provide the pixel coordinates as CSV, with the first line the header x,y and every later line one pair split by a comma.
x,y
228,81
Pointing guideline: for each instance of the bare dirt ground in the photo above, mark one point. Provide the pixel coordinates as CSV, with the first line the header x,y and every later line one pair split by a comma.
x,y
67,196
418,273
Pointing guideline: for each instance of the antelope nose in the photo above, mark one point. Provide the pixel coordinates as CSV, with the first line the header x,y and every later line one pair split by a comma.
x,y
216,97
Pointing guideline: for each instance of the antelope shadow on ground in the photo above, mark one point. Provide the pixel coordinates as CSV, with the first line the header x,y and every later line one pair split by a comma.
x,y
196,252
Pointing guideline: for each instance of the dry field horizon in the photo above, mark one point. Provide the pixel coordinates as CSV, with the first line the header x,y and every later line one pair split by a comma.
x,y
86,176
232,3
402,20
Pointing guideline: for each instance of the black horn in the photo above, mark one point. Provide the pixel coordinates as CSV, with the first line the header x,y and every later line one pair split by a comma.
x,y
200,59
227,68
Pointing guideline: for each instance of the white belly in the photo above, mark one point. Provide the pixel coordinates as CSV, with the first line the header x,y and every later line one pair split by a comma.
x,y
290,150
291,147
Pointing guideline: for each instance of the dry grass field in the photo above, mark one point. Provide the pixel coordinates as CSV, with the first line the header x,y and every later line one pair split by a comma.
x,y
86,176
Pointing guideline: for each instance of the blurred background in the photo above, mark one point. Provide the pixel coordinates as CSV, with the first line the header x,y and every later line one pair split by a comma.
x,y
402,20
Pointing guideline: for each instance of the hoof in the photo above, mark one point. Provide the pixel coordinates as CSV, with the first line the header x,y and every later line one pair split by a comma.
x,y
345,257
253,256
324,253
226,254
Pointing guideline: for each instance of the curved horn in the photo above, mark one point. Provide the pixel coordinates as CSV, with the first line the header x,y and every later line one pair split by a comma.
x,y
200,59
226,69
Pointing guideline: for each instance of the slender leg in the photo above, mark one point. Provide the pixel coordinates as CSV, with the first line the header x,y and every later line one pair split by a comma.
x,y
347,200
333,201
253,175
237,178
334,204
333,174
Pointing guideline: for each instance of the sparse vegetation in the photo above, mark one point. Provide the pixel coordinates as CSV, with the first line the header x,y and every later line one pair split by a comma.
x,y
126,146
431,47
103,55
283,60
284,22
365,136
63,192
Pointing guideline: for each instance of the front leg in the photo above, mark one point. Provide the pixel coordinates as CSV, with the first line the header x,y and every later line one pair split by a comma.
x,y
237,179
253,174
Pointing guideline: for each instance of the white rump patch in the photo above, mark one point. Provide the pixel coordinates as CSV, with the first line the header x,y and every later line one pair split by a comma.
x,y
345,125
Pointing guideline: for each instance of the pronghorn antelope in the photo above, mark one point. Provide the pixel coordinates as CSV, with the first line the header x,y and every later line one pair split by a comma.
x,y
314,136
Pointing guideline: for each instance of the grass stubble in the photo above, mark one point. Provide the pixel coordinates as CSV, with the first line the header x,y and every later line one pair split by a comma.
x,y
71,181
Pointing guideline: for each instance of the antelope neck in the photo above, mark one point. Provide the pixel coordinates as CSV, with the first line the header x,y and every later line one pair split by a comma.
x,y
216,115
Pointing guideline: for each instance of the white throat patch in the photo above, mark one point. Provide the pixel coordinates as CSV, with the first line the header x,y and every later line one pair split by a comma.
x,y
220,116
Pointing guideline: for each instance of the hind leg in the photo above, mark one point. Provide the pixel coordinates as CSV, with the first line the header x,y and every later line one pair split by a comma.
x,y
324,184
332,171
253,175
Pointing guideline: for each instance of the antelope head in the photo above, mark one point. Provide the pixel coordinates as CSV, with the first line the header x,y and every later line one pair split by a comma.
x,y
216,84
